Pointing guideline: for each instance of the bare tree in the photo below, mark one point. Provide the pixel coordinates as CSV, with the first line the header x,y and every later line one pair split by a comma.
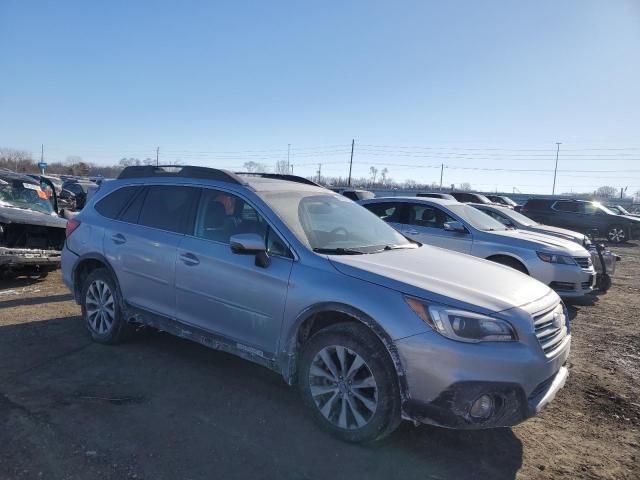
x,y
606,192
254,167
282,167
465,186
383,175
18,160
373,171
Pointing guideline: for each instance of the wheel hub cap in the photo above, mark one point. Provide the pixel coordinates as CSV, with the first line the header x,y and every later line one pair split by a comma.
x,y
343,387
100,307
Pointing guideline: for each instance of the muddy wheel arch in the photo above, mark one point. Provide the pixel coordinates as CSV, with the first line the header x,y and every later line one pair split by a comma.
x,y
322,315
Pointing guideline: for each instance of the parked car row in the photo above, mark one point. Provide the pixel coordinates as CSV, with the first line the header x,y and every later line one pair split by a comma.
x,y
374,326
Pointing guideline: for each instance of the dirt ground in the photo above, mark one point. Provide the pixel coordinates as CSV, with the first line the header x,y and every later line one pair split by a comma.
x,y
163,408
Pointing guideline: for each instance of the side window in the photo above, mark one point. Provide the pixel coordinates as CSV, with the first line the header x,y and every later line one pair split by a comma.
x,y
351,195
387,211
428,216
168,207
111,205
131,213
564,206
221,215
588,208
275,245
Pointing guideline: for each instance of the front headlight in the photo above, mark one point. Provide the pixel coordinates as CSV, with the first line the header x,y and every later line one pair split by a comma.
x,y
462,325
553,258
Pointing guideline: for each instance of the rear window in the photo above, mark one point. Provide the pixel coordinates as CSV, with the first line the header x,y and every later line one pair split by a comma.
x,y
537,204
168,207
112,205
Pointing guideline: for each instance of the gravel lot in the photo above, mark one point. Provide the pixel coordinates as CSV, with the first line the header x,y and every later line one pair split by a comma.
x,y
163,408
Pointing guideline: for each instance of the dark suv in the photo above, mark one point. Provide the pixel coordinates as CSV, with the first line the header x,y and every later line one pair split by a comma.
x,y
467,197
583,216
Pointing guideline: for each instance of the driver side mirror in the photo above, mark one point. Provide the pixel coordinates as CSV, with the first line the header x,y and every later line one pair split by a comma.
x,y
454,226
251,244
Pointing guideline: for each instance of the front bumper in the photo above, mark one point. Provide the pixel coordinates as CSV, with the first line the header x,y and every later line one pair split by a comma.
x,y
568,281
20,258
444,378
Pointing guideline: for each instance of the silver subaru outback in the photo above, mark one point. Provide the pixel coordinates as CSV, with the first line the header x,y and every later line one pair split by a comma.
x,y
372,327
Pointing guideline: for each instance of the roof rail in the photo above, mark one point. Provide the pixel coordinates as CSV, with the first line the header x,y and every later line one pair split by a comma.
x,y
186,171
282,176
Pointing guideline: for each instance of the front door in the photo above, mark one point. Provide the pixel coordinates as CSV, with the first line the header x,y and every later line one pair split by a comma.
x,y
227,293
426,225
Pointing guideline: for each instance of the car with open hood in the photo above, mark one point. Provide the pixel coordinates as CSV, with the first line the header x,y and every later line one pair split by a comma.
x,y
31,232
372,327
562,264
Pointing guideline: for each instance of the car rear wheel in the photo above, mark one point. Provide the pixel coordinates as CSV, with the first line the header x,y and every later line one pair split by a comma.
x,y
348,382
101,308
617,234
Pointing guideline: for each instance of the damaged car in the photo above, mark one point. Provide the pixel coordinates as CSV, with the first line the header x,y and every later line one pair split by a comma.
x,y
31,232
372,327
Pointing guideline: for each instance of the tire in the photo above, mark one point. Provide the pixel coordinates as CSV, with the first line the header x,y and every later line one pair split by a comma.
x,y
354,414
510,262
617,234
108,325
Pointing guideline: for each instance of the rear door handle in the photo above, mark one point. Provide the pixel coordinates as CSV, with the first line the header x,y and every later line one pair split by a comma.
x,y
189,259
118,239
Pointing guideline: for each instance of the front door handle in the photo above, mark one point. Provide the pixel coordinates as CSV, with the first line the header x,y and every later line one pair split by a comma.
x,y
118,239
411,232
189,259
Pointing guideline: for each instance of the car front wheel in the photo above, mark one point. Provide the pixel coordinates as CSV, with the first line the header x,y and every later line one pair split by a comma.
x,y
348,382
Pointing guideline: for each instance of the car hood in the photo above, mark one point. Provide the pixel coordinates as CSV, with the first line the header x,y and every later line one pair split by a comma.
x,y
445,277
540,241
576,237
30,217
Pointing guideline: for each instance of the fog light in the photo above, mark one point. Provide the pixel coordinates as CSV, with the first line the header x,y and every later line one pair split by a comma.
x,y
482,407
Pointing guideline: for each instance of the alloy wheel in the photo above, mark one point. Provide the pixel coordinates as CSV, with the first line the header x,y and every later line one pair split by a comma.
x,y
616,235
100,307
343,387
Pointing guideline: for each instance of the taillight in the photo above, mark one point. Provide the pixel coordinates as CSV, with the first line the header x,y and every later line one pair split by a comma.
x,y
72,224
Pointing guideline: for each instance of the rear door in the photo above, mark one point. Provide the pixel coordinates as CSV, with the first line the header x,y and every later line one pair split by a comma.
x,y
142,245
426,225
225,292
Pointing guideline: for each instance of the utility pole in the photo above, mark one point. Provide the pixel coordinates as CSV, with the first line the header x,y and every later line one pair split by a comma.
x,y
555,171
441,172
288,154
292,169
157,155
353,142
319,171
42,157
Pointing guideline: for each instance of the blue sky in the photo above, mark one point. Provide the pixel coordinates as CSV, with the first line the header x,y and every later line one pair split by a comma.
x,y
489,85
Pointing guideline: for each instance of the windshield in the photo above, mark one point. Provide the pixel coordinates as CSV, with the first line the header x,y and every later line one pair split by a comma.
x,y
508,201
329,222
19,194
518,217
476,218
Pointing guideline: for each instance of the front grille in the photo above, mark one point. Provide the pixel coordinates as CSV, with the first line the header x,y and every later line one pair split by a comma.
x,y
563,286
550,327
584,262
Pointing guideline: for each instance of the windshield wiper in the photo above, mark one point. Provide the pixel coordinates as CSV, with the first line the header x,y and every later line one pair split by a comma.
x,y
339,251
399,247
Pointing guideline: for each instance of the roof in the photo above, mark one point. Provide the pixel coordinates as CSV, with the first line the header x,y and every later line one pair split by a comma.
x,y
438,201
9,175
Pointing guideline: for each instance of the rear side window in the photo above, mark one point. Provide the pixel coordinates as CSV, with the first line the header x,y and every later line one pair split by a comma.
x,y
537,204
114,203
168,207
